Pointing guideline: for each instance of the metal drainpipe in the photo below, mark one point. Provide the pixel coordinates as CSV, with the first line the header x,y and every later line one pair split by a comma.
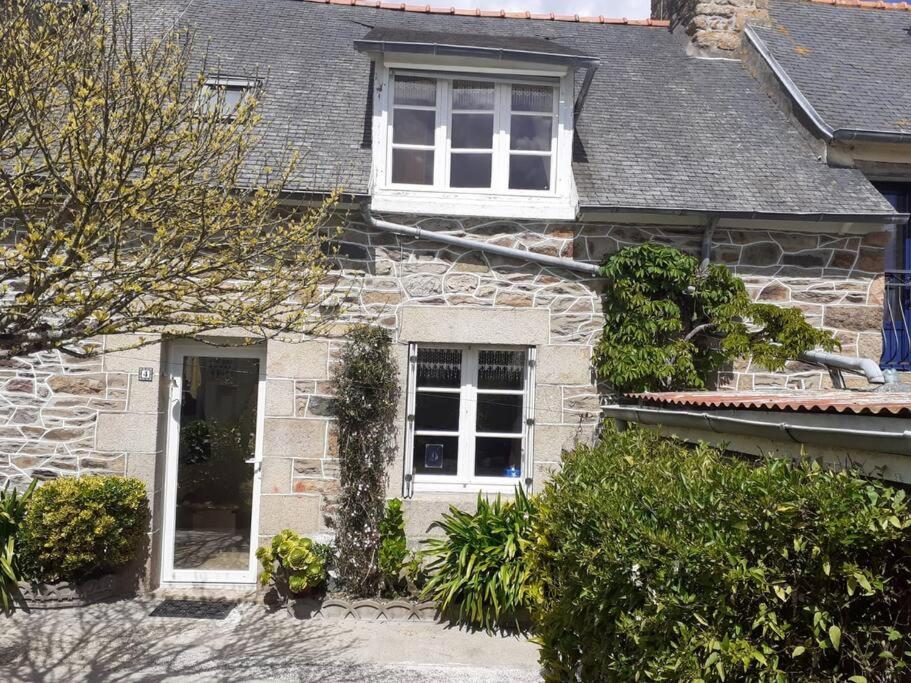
x,y
509,252
862,366
707,236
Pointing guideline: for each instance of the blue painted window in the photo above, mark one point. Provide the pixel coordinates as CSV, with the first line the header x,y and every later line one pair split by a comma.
x,y
897,302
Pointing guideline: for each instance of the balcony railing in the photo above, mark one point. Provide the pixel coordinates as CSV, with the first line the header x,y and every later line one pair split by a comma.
x,y
897,321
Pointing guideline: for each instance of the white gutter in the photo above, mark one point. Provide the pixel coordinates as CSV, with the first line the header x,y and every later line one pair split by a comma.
x,y
859,439
477,245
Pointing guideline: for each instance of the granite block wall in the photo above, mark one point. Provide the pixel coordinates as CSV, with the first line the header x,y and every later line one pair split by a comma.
x,y
62,416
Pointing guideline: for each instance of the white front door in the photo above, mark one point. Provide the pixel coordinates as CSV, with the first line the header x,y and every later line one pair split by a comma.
x,y
213,464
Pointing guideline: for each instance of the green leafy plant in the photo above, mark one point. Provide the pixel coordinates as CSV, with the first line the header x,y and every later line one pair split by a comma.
x,y
480,567
366,393
293,563
664,562
393,546
82,527
12,513
671,324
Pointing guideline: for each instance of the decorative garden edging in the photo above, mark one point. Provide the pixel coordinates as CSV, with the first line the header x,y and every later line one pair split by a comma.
x,y
362,610
42,596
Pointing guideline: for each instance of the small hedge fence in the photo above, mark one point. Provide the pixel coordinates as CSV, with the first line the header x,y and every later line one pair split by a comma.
x,y
661,562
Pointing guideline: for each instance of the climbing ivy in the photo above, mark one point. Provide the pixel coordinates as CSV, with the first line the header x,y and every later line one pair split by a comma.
x,y
670,323
366,389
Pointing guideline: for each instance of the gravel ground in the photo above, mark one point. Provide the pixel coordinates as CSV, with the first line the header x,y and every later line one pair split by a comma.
x,y
119,641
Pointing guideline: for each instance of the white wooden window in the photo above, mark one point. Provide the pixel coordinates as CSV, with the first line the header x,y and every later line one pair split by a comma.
x,y
225,94
465,134
469,418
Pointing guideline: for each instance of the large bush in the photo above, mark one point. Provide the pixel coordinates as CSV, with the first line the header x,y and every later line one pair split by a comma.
x,y
479,569
78,528
670,323
663,562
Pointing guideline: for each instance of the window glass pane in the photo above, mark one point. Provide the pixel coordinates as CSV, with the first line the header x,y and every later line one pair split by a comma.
x,y
413,126
436,411
472,131
439,367
436,454
417,91
497,457
469,170
501,369
530,132
499,413
529,172
472,95
532,98
412,166
224,98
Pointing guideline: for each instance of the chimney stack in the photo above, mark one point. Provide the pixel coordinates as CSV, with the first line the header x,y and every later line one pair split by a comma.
x,y
711,27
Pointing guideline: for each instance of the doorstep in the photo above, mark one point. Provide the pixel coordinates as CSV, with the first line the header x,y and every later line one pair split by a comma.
x,y
232,592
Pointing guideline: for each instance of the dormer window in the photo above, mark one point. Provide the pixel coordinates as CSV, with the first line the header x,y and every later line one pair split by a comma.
x,y
225,94
455,133
473,125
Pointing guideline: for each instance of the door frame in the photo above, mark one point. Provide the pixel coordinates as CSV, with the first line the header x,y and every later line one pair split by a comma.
x,y
176,355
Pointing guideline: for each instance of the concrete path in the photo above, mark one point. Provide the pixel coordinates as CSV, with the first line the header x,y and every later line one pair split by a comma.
x,y
120,642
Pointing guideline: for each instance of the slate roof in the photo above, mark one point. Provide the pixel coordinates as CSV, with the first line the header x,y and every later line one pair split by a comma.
x,y
850,61
660,130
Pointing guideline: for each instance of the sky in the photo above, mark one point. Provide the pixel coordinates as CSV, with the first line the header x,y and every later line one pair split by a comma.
x,y
631,9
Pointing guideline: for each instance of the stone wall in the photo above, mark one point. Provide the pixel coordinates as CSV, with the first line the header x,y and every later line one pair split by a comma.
x,y
713,26
65,417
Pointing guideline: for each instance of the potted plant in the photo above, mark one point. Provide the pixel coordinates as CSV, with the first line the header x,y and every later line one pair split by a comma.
x,y
296,567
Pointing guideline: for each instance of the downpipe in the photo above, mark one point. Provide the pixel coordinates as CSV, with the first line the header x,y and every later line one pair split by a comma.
x,y
860,366
475,245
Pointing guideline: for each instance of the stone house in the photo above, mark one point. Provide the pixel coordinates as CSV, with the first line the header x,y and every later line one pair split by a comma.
x,y
490,161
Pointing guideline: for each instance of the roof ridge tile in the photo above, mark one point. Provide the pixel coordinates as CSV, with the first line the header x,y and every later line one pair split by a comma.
x,y
503,14
865,4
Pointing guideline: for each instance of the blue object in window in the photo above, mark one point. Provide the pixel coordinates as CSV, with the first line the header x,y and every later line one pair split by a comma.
x,y
897,299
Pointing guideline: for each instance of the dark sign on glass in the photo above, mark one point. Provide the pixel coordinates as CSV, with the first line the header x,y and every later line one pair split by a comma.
x,y
433,456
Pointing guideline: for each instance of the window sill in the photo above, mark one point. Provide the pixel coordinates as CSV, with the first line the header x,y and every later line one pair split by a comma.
x,y
508,487
484,206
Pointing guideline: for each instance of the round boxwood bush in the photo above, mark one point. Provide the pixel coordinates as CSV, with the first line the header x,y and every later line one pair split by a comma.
x,y
80,528
664,562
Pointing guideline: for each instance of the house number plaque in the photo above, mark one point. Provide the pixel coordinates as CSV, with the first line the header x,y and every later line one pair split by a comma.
x,y
146,374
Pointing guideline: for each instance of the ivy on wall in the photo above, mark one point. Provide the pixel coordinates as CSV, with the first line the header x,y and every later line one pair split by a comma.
x,y
366,391
670,323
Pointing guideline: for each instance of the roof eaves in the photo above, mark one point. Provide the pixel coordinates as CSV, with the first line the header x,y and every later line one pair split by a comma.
x,y
473,51
815,217
493,14
797,97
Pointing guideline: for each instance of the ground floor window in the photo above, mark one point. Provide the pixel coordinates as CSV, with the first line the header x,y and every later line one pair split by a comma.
x,y
469,418
897,309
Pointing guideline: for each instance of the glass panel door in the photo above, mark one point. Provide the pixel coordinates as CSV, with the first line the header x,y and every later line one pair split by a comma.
x,y
213,463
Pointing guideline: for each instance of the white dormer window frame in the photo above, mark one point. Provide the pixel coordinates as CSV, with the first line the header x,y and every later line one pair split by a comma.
x,y
444,187
226,93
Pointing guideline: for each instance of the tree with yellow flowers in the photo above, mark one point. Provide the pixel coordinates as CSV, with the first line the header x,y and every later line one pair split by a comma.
x,y
128,201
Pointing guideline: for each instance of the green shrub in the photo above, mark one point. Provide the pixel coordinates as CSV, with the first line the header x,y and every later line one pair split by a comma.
x,y
78,528
393,547
480,568
663,562
365,388
293,563
12,514
671,324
